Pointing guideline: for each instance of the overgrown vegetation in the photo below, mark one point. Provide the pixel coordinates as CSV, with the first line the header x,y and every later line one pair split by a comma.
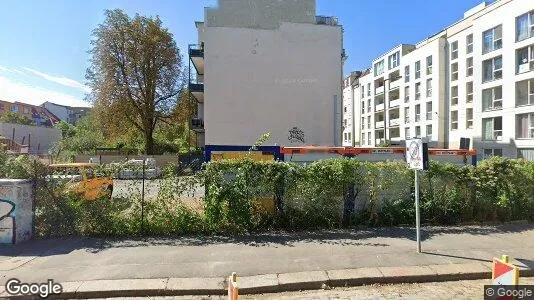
x,y
251,196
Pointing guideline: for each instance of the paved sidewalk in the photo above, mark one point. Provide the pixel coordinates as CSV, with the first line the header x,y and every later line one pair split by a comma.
x,y
381,253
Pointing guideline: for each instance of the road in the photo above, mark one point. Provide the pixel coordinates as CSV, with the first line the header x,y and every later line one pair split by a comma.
x,y
467,289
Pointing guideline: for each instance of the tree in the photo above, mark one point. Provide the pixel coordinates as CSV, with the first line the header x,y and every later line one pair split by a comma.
x,y
82,138
135,74
15,118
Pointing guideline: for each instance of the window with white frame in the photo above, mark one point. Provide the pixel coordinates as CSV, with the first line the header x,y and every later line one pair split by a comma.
x,y
454,50
407,132
454,95
492,39
454,71
345,109
429,131
418,69
469,43
525,126
345,122
417,113
368,89
349,138
524,26
492,129
368,105
525,59
417,91
363,107
429,110
487,153
363,123
406,115
379,68
492,98
418,131
454,120
363,138
345,136
469,118
492,69
469,92
429,65
469,66
393,60
362,88
406,94
524,92
429,87
368,138
407,74
369,122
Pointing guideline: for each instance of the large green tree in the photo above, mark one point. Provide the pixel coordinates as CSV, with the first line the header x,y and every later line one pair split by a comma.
x,y
135,74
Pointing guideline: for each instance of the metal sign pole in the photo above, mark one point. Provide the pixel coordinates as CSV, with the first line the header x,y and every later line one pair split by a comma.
x,y
417,216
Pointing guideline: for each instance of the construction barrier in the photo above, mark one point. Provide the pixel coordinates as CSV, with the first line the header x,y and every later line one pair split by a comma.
x,y
233,290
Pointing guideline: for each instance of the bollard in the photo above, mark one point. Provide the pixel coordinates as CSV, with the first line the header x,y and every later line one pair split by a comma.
x,y
233,291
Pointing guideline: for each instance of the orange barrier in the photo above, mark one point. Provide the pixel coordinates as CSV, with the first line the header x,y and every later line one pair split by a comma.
x,y
233,290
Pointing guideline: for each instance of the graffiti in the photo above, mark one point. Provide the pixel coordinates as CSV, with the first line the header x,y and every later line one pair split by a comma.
x,y
296,135
7,222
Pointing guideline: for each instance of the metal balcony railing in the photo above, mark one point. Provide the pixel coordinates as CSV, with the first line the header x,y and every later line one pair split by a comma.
x,y
324,20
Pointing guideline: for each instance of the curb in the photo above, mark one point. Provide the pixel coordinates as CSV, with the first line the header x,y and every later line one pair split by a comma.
x,y
272,283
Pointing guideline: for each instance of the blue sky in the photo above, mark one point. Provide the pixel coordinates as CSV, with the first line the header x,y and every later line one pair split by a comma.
x,y
44,44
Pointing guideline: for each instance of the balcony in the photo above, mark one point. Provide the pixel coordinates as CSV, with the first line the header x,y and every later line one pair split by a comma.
x,y
324,20
197,125
379,90
394,103
379,107
394,84
196,55
394,122
379,124
197,89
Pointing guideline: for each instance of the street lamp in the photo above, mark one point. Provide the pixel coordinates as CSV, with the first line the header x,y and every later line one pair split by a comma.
x,y
386,105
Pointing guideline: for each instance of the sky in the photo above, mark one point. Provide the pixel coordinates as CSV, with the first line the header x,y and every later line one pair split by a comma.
x,y
44,43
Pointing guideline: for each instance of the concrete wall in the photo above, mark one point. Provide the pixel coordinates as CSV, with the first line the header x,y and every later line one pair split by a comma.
x,y
40,137
16,211
259,81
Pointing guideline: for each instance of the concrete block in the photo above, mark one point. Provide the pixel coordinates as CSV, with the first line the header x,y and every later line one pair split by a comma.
x,y
302,280
408,274
351,277
461,271
257,284
196,286
121,287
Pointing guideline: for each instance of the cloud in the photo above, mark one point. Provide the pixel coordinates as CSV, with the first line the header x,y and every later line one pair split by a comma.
x,y
60,80
11,90
9,70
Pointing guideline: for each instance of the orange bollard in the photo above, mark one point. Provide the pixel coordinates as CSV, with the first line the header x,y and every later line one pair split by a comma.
x,y
233,290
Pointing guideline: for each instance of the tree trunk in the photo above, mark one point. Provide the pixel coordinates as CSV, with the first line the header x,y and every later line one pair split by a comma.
x,y
149,142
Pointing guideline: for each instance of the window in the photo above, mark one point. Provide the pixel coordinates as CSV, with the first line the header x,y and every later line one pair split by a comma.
x,y
345,122
492,39
379,68
345,136
492,98
368,105
429,65
469,92
407,132
429,130
454,50
454,95
492,128
417,69
417,131
524,92
454,120
492,69
469,43
454,71
469,66
469,118
368,138
394,60
345,109
362,88
363,138
417,91
417,113
406,94
525,59
407,74
429,110
368,89
524,26
363,123
349,138
429,87
525,126
406,115
492,152
15,108
363,107
369,122
25,110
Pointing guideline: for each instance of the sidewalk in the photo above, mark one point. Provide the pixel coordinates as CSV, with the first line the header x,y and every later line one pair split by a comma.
x,y
287,261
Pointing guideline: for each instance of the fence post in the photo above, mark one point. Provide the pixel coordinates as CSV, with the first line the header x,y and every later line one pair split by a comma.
x,y
279,195
349,203
143,200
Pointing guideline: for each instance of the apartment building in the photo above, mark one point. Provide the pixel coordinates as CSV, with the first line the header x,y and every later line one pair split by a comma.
x,y
267,66
69,114
468,80
39,115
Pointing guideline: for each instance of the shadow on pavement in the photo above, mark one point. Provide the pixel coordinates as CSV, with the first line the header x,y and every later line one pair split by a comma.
x,y
348,237
457,256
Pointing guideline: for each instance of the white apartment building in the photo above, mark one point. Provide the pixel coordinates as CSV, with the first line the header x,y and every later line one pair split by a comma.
x,y
267,66
469,80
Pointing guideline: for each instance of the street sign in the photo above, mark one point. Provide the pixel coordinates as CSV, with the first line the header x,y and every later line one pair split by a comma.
x,y
504,273
417,154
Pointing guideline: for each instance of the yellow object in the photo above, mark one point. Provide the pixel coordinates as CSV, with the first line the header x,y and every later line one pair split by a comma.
x,y
90,186
233,290
505,258
254,155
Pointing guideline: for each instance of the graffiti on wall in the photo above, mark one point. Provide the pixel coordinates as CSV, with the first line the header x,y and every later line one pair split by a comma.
x,y
296,135
7,222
